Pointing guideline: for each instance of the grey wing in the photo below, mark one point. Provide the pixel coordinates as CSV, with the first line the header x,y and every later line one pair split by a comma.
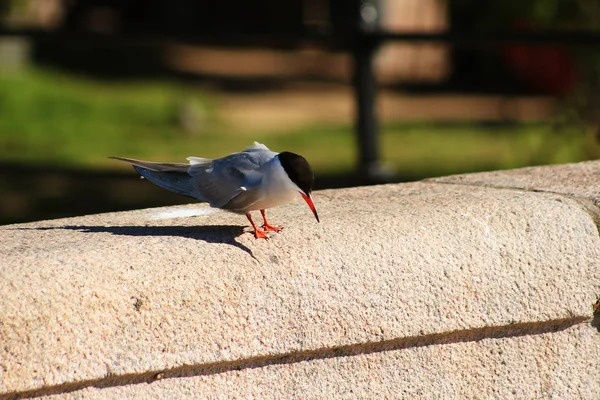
x,y
155,166
244,201
233,176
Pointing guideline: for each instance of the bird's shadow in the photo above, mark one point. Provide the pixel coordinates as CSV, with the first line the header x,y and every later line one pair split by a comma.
x,y
210,234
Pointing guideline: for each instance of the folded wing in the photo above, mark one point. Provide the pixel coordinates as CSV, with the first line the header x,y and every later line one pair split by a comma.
x,y
231,182
226,178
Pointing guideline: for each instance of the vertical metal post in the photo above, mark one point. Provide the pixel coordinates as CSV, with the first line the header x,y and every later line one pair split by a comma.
x,y
365,91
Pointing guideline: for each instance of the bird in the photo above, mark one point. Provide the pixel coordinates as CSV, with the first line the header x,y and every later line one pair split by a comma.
x,y
254,179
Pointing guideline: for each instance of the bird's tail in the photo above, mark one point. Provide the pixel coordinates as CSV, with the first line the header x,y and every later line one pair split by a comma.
x,y
178,182
173,177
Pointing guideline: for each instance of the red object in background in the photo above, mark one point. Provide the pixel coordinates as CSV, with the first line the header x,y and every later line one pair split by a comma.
x,y
548,69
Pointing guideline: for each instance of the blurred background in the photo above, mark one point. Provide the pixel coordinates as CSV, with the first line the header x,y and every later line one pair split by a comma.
x,y
369,91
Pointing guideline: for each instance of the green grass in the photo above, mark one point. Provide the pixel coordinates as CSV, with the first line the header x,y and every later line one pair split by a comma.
x,y
52,118
453,148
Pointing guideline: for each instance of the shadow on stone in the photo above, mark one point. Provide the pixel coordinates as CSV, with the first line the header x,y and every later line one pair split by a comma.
x,y
219,367
210,234
596,319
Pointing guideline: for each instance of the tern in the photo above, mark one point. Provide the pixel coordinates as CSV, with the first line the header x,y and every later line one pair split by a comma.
x,y
253,179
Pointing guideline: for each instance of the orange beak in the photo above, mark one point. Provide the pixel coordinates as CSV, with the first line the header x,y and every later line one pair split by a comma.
x,y
308,199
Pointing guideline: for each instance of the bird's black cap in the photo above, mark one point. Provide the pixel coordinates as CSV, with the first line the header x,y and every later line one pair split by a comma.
x,y
299,170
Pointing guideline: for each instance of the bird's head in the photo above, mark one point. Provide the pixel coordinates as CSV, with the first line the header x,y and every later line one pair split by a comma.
x,y
301,174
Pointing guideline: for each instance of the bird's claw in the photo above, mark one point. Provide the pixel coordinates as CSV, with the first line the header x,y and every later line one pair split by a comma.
x,y
272,228
258,234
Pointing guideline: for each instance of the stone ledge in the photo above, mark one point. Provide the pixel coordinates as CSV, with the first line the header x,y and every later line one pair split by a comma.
x,y
559,365
578,180
129,297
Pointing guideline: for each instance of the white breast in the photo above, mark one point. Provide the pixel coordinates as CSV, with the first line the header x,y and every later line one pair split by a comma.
x,y
277,187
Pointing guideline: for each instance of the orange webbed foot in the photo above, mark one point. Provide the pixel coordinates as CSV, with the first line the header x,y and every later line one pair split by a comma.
x,y
258,234
272,228
268,227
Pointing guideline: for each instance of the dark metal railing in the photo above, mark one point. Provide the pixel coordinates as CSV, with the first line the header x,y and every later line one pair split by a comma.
x,y
361,37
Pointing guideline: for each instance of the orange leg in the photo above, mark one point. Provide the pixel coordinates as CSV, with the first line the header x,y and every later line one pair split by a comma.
x,y
258,234
266,225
